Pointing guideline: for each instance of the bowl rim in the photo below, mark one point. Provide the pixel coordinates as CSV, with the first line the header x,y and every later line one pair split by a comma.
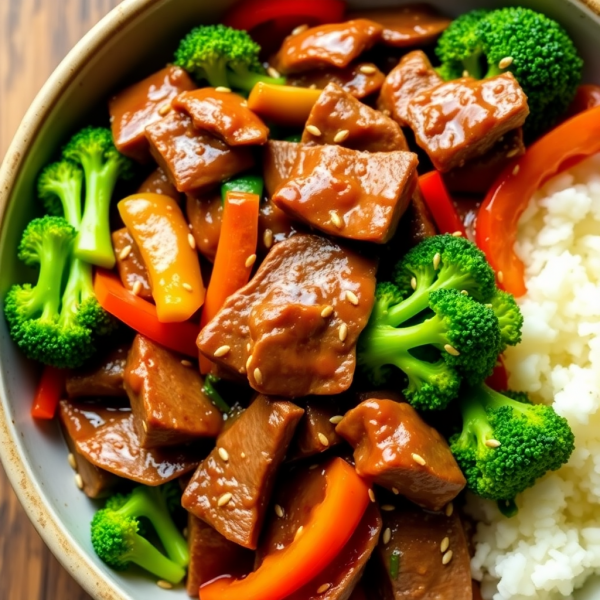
x,y
20,475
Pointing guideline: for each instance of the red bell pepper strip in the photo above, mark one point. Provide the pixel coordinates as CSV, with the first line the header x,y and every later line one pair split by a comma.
x,y
498,217
440,204
328,529
48,393
498,380
140,315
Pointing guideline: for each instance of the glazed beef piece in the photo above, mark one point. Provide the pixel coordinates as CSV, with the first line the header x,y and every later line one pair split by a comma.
x,y
167,397
294,326
350,194
419,221
107,438
224,115
462,119
211,556
158,183
130,264
232,487
204,213
339,118
334,45
431,554
359,79
193,160
142,104
104,377
274,226
396,449
278,161
412,75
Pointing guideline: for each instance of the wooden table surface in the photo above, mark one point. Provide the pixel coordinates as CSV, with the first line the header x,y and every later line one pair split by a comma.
x,y
34,36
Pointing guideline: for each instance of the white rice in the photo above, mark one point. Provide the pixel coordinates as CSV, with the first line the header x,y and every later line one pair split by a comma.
x,y
553,545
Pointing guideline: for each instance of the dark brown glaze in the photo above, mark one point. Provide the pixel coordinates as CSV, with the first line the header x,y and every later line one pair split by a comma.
x,y
412,75
395,448
407,26
333,45
204,213
158,183
462,119
255,446
278,161
416,539
349,194
142,104
362,127
130,265
167,397
359,79
276,319
104,377
419,219
358,593
479,174
224,115
107,438
193,160
212,556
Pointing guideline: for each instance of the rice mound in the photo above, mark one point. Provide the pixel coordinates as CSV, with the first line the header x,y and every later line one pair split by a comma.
x,y
553,544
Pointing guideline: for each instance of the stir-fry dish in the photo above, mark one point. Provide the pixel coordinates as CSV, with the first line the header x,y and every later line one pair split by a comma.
x,y
282,290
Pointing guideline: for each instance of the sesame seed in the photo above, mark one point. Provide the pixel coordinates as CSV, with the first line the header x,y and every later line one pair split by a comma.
x,y
367,69
372,495
125,252
500,276
387,536
337,419
457,234
418,459
465,73
445,545
248,362
299,29
312,86
78,481
243,455
186,363
505,62
388,507
258,376
489,305
221,351
72,461
336,219
250,261
169,207
145,426
186,286
299,532
278,511
313,130
436,260
223,454
191,241
413,283
341,136
248,347
516,170
165,585
327,311
268,238
387,112
323,439
447,557
273,72
512,152
186,532
449,509
451,350
224,499
493,443
244,103
464,292
352,297
343,332
396,491
323,588
137,288
165,109
222,88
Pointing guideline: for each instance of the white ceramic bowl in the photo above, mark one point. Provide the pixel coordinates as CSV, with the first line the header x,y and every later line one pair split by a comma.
x,y
134,38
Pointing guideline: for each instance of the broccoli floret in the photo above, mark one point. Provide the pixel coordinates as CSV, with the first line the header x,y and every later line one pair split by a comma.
x,y
509,316
440,262
223,56
59,187
507,443
103,165
544,59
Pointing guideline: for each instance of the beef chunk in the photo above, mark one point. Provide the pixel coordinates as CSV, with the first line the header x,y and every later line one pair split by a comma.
x,y
167,397
334,45
104,377
107,438
358,79
224,115
130,264
293,325
395,448
338,117
142,104
420,221
158,183
351,194
274,226
232,487
416,546
193,160
204,213
278,161
211,556
412,75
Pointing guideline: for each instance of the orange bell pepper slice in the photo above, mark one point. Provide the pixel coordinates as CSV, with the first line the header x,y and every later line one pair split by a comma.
x,y
140,315
499,215
329,528
48,393
161,232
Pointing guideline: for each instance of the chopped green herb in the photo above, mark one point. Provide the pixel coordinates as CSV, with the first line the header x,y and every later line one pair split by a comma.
x,y
395,564
508,508
209,389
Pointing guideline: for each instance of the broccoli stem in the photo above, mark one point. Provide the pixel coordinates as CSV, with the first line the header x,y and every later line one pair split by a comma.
x,y
418,370
69,193
245,79
472,65
145,555
475,420
216,74
80,287
47,290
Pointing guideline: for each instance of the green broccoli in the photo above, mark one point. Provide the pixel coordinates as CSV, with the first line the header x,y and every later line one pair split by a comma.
x,y
509,316
59,187
440,262
116,534
507,442
223,56
103,165
538,51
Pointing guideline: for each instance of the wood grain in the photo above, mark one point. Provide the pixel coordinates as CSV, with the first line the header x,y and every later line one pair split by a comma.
x,y
34,36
